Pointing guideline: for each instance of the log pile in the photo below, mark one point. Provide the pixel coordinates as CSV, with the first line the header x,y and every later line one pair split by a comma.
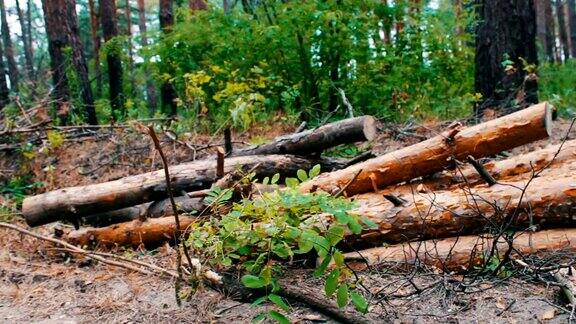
x,y
438,203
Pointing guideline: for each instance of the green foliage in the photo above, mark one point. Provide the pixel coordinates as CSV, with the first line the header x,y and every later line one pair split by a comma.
x,y
18,187
281,225
554,86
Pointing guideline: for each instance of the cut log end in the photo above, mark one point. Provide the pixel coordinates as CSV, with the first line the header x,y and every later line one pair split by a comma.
x,y
550,115
370,128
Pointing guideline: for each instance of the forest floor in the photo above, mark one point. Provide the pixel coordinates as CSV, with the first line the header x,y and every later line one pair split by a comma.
x,y
43,285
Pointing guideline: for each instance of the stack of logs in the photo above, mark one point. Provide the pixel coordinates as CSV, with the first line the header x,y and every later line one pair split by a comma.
x,y
431,201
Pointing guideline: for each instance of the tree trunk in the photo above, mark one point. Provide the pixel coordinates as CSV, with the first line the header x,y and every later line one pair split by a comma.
x,y
315,141
63,32
8,49
562,32
128,12
148,210
545,28
150,89
167,92
197,5
25,42
572,24
76,202
506,32
109,31
4,91
96,43
437,153
150,233
548,200
460,254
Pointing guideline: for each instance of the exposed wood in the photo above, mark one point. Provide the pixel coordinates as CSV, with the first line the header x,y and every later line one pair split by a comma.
x,y
460,254
431,156
316,140
548,200
75,202
150,233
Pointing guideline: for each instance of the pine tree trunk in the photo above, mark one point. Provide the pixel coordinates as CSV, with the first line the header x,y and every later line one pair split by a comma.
x,y
25,42
8,49
96,43
128,11
150,89
197,5
545,28
109,31
167,92
506,32
550,31
63,32
572,24
4,91
562,32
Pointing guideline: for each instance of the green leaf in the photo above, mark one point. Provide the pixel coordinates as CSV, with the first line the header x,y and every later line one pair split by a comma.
x,y
302,175
265,181
359,302
259,301
278,317
275,178
332,282
354,226
259,318
369,223
323,266
314,171
335,234
342,295
292,182
338,258
279,301
251,281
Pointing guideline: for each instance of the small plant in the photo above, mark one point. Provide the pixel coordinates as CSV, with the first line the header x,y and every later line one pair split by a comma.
x,y
17,188
282,225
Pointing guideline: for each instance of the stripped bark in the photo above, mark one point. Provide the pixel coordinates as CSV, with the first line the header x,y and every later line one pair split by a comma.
x,y
435,154
460,254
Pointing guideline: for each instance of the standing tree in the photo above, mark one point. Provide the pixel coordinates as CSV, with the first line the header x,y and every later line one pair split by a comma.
x,y
150,89
572,24
167,90
8,49
65,49
4,92
197,5
109,31
505,54
26,44
562,30
96,43
545,28
128,12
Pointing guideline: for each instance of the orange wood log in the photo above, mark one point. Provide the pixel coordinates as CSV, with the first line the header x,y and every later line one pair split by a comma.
x,y
433,155
150,233
460,254
547,200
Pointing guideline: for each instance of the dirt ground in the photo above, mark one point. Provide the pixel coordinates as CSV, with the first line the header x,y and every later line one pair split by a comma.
x,y
40,284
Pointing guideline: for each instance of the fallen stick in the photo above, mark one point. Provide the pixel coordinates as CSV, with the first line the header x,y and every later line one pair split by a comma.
x,y
76,202
460,254
317,140
434,155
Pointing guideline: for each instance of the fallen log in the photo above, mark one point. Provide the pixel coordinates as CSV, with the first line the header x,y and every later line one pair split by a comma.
x,y
143,211
75,202
149,233
547,200
460,254
436,154
316,140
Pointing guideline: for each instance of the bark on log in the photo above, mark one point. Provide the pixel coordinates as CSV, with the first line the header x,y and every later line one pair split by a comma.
x,y
149,233
316,140
75,202
547,200
460,254
148,210
433,155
